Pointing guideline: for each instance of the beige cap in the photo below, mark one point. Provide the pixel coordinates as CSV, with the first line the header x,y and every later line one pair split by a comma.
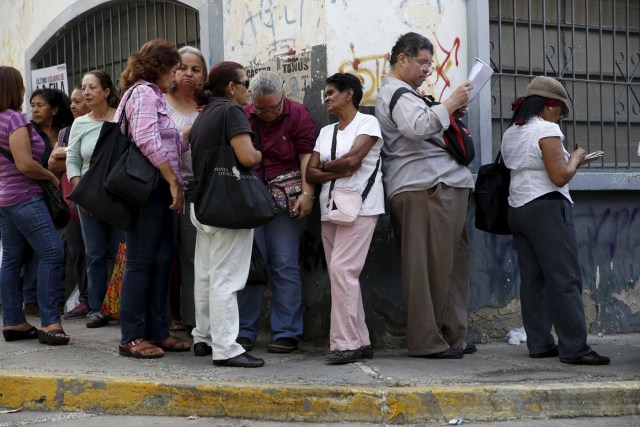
x,y
548,87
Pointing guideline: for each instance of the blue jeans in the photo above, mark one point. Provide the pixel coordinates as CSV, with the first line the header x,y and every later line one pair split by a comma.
x,y
101,241
30,223
145,287
29,275
279,243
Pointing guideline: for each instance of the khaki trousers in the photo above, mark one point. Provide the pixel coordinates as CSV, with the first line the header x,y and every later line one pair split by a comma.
x,y
431,228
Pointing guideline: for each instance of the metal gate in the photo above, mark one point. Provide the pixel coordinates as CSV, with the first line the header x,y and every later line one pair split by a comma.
x,y
104,37
593,48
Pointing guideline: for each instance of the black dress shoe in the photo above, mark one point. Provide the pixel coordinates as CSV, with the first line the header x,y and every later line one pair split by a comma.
x,y
470,349
449,353
591,358
549,353
245,342
201,349
244,360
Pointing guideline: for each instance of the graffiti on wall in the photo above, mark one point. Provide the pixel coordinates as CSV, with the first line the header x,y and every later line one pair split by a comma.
x,y
276,36
260,30
370,69
437,20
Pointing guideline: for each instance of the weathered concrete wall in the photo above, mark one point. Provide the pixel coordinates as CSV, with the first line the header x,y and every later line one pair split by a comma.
x,y
608,229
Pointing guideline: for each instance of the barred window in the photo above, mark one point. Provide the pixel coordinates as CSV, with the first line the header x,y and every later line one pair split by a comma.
x,y
104,37
593,48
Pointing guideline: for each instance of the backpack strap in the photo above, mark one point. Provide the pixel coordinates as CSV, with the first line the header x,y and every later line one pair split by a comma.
x,y
7,154
394,100
370,181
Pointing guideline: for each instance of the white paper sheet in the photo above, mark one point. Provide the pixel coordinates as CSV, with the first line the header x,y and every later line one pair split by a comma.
x,y
479,75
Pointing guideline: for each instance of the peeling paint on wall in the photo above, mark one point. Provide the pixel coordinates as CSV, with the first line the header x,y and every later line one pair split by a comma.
x,y
259,30
630,297
22,22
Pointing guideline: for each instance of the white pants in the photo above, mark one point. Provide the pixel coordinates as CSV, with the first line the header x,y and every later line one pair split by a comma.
x,y
221,267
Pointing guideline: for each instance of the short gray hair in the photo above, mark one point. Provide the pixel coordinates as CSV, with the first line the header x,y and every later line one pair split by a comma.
x,y
266,83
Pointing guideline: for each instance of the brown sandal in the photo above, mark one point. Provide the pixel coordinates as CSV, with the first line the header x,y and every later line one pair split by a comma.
x,y
140,349
171,343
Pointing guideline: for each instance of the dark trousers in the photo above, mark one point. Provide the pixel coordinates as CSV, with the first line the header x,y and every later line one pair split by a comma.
x,y
75,248
145,287
550,280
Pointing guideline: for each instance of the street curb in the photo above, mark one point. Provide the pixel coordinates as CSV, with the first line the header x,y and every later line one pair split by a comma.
x,y
287,402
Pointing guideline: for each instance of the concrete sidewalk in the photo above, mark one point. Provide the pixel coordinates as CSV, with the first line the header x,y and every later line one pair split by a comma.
x,y
499,382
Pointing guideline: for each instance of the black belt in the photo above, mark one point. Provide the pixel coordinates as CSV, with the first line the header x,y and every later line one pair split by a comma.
x,y
554,195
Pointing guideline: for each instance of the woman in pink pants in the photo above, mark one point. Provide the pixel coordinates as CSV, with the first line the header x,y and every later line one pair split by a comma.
x,y
346,160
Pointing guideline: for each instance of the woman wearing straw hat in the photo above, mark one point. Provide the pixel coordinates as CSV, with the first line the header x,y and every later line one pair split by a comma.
x,y
542,224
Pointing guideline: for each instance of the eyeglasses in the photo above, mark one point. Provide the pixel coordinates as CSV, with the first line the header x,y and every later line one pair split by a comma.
x,y
427,67
244,83
270,109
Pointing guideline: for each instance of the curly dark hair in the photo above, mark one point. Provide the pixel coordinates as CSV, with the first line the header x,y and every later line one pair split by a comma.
x,y
154,59
56,99
346,81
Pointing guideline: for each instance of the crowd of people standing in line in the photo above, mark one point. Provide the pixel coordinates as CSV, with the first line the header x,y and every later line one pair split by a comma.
x,y
182,274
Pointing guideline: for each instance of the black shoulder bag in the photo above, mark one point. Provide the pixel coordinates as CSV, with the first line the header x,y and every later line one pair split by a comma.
x,y
91,193
229,194
491,197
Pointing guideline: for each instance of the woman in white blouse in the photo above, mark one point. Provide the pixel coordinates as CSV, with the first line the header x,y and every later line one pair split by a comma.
x,y
183,109
347,156
542,223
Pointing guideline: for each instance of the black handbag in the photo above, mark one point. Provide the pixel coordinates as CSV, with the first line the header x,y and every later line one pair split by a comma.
x,y
133,177
491,197
229,194
257,268
58,208
91,193
55,203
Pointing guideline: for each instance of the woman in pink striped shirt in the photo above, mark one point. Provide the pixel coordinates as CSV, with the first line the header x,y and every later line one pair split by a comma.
x,y
144,320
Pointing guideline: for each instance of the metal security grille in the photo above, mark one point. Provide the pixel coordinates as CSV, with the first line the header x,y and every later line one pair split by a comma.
x,y
593,48
104,37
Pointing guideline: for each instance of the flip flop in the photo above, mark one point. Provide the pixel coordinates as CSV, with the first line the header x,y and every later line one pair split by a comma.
x,y
53,337
15,335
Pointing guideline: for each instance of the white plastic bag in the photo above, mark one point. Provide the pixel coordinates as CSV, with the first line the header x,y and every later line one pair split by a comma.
x,y
73,300
516,336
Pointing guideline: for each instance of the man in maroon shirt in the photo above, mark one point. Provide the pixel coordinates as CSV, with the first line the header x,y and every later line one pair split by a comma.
x,y
285,134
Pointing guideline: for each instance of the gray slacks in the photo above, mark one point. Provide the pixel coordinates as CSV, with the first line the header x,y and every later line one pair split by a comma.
x,y
550,280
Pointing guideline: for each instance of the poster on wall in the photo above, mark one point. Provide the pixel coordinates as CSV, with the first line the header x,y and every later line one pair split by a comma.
x,y
294,68
51,77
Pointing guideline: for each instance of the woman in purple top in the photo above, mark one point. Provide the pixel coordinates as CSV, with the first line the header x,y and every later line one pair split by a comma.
x,y
144,320
24,219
